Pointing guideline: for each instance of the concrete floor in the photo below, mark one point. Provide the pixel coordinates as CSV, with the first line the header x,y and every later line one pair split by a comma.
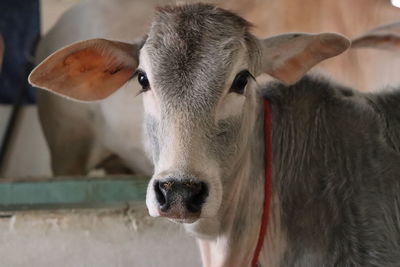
x,y
88,238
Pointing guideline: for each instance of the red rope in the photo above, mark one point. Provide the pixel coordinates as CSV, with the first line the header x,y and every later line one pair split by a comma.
x,y
267,197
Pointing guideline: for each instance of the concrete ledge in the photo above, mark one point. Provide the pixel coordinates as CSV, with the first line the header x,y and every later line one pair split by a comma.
x,y
71,192
125,237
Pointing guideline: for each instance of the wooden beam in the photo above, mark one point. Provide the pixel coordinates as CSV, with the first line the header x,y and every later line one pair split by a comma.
x,y
71,192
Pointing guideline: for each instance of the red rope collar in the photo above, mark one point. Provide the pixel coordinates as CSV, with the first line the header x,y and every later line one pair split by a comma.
x,y
267,197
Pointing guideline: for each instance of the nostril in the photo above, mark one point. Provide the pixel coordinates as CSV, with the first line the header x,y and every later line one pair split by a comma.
x,y
178,197
160,196
198,197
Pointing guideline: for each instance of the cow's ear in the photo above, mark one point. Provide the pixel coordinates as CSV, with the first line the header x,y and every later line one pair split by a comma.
x,y
384,37
88,70
288,57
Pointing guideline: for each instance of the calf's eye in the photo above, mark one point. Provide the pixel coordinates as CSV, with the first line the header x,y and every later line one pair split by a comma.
x,y
239,83
143,81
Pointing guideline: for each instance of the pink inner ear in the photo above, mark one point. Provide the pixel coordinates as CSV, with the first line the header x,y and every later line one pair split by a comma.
x,y
87,60
96,75
86,74
295,56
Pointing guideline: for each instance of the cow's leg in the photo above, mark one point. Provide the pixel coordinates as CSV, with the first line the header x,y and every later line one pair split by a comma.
x,y
68,129
66,160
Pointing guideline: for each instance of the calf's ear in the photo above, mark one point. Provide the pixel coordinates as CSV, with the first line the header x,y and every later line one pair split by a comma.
x,y
384,37
288,57
88,70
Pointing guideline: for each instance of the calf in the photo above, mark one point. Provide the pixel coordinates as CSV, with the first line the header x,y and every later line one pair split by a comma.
x,y
334,193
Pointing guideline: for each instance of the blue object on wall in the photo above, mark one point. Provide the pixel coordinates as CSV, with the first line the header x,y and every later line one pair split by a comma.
x,y
20,28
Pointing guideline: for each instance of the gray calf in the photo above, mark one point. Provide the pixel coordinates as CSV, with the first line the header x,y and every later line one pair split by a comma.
x,y
335,171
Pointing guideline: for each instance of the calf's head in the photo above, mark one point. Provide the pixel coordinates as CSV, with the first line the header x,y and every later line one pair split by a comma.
x,y
197,69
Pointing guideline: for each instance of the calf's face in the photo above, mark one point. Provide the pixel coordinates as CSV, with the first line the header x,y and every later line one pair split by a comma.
x,y
198,96
197,68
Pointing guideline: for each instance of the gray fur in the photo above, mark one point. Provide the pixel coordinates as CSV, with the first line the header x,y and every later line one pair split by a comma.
x,y
192,47
336,176
386,105
192,50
